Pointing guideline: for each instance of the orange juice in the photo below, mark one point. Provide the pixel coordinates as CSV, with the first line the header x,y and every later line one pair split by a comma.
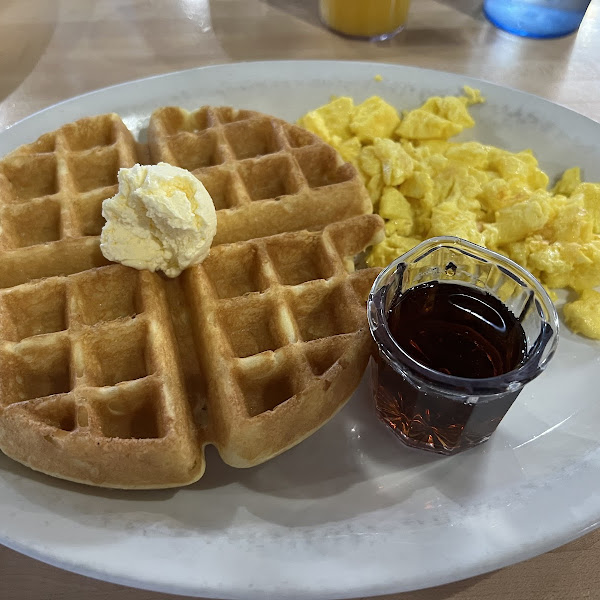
x,y
365,18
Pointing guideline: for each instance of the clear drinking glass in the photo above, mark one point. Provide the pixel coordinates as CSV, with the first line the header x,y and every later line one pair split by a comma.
x,y
437,411
374,20
536,18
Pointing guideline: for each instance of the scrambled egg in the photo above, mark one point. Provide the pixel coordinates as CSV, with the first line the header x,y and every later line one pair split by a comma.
x,y
425,185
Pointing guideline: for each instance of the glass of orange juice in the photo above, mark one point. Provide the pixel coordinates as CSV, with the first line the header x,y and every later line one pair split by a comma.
x,y
375,20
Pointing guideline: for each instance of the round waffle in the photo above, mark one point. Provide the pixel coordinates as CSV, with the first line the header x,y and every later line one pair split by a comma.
x,y
119,378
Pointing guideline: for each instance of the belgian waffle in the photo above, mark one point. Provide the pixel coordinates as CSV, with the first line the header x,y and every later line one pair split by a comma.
x,y
119,378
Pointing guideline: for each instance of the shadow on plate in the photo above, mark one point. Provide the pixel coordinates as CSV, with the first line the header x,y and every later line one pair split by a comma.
x,y
351,466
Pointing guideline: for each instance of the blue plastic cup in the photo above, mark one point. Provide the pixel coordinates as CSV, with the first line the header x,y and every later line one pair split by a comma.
x,y
536,18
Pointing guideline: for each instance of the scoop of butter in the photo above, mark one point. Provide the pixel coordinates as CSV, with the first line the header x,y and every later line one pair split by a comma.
x,y
162,218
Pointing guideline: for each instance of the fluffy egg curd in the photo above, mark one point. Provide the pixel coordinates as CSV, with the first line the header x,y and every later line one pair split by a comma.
x,y
425,185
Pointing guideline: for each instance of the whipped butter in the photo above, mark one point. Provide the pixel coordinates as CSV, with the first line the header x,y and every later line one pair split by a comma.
x,y
162,218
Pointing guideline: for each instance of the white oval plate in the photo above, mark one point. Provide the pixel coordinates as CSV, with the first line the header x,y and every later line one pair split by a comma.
x,y
349,512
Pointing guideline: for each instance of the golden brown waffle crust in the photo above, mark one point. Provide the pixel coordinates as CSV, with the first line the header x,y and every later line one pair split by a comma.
x,y
119,378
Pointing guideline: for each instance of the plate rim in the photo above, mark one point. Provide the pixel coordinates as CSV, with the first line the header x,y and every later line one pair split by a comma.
x,y
549,544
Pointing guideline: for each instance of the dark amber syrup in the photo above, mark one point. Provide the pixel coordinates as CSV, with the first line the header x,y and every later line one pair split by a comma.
x,y
457,330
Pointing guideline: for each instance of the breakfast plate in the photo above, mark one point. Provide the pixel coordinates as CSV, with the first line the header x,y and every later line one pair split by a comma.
x,y
349,512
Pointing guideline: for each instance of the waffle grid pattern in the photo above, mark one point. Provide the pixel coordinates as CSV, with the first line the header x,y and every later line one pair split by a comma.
x,y
64,350
119,378
53,189
265,176
87,363
51,194
278,302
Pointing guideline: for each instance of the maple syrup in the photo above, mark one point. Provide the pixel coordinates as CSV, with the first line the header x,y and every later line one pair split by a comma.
x,y
451,329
